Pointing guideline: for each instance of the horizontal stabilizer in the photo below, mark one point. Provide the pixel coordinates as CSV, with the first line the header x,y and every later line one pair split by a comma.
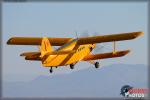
x,y
60,52
106,55
37,55
31,54
33,58
49,53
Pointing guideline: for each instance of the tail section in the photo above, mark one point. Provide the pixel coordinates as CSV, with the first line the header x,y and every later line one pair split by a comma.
x,y
45,46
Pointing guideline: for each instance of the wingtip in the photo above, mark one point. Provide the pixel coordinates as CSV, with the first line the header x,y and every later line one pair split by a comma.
x,y
21,55
140,33
128,51
8,42
136,34
124,52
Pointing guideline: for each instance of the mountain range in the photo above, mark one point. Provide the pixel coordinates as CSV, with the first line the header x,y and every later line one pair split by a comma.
x,y
100,83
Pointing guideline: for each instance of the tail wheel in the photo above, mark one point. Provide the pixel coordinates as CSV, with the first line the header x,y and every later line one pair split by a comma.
x,y
97,65
51,70
71,66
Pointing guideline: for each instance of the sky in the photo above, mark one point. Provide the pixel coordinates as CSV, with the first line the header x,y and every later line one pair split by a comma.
x,y
62,19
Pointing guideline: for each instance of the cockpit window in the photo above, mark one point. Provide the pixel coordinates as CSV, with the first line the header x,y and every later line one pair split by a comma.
x,y
65,45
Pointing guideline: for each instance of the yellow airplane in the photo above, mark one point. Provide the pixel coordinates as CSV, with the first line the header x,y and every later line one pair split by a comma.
x,y
71,50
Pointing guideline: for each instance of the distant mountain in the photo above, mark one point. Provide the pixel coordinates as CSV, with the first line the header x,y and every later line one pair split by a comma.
x,y
103,82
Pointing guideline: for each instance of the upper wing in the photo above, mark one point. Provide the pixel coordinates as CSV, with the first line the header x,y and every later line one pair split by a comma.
x,y
36,41
109,38
106,55
84,40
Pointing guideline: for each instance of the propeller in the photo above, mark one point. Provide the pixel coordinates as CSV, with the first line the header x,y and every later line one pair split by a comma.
x,y
100,47
84,34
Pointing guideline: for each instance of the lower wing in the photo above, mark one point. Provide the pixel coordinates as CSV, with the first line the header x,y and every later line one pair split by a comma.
x,y
106,55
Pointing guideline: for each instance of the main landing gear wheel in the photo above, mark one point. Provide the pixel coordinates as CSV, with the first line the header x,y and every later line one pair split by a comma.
x,y
51,70
97,65
71,66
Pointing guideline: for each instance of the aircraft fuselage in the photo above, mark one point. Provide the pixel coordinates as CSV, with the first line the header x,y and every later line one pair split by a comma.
x,y
65,59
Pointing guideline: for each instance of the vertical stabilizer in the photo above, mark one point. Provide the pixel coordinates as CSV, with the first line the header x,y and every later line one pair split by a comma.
x,y
45,46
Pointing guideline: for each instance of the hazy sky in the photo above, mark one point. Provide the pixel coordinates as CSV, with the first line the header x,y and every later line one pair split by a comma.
x,y
63,20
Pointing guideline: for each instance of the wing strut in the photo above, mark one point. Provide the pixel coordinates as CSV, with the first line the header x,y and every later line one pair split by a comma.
x,y
114,47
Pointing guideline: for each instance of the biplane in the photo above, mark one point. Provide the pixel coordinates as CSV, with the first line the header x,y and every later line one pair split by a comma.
x,y
71,50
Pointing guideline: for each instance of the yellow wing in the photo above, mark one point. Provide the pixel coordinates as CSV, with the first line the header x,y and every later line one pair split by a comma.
x,y
84,40
36,41
106,55
108,38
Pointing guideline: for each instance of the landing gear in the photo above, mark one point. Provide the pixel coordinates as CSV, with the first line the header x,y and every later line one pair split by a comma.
x,y
71,66
51,70
96,64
